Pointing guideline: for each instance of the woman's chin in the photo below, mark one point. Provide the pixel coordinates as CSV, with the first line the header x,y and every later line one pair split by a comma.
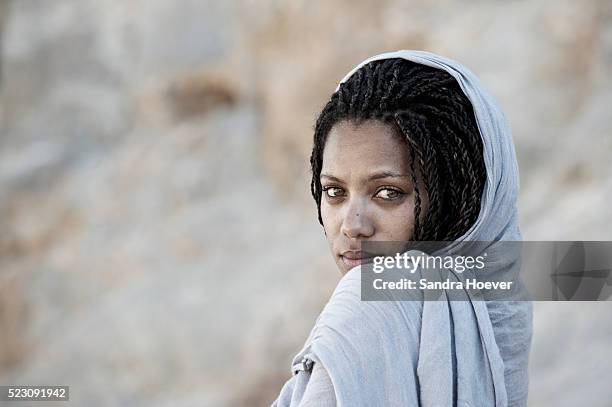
x,y
350,263
347,264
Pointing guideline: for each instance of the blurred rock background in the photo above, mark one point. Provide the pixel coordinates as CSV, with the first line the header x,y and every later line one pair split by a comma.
x,y
158,244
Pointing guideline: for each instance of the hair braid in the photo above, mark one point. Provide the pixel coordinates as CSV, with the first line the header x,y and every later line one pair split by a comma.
x,y
431,177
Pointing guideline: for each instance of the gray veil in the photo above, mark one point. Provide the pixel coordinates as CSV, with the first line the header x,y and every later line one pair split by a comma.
x,y
435,353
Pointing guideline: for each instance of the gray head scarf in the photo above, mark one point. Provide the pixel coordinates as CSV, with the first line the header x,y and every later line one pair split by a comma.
x,y
435,353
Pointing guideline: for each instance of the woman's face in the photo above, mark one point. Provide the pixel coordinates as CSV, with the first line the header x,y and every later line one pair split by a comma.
x,y
368,193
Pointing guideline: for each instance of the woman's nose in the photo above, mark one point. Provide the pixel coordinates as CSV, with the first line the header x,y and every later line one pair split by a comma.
x,y
357,221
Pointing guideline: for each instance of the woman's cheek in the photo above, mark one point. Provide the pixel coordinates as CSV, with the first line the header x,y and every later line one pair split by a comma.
x,y
329,215
398,223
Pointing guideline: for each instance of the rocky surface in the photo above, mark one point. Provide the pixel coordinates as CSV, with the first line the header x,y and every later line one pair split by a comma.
x,y
158,243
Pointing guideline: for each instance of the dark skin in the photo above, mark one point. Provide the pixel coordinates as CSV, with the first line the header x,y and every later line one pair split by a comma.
x,y
368,192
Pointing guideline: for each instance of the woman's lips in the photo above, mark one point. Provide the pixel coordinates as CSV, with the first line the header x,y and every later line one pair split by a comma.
x,y
353,259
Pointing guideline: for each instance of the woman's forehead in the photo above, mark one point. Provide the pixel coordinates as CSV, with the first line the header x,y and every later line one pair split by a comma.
x,y
368,149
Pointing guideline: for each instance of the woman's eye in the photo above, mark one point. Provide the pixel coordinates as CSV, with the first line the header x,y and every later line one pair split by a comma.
x,y
388,193
333,192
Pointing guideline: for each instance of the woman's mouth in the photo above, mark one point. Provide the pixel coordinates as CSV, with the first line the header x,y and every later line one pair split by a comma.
x,y
355,258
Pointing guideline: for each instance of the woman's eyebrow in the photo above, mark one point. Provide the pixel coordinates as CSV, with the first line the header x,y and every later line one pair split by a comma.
x,y
331,177
387,174
375,176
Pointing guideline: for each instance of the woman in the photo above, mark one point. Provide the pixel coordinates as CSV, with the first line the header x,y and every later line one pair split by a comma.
x,y
411,147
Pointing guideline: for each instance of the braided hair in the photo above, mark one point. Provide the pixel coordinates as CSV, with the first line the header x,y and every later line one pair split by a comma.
x,y
426,108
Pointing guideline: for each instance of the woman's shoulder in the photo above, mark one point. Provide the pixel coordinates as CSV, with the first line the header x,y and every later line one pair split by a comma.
x,y
307,388
320,390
